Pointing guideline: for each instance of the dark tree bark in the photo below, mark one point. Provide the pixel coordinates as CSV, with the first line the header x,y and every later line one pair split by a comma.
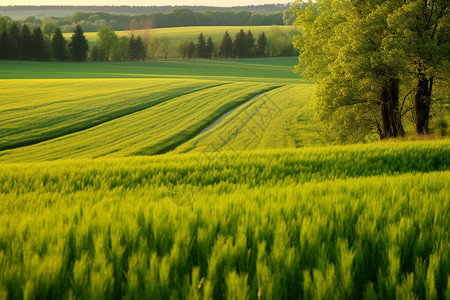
x,y
422,104
391,117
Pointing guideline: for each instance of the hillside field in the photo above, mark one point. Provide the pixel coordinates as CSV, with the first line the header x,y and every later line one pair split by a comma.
x,y
176,34
207,180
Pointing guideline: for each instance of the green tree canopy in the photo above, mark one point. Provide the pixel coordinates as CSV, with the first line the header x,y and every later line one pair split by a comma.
x,y
107,41
357,78
421,31
187,48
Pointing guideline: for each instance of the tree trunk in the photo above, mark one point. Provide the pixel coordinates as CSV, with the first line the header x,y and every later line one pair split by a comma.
x,y
390,112
422,104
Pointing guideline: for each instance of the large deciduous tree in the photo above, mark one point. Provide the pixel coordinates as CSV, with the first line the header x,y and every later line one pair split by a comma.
x,y
78,46
421,30
187,48
357,79
363,56
107,41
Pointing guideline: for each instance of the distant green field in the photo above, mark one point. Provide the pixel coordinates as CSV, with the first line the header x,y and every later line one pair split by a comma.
x,y
39,14
278,69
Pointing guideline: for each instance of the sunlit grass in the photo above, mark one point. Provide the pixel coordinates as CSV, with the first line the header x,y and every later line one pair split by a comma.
x,y
346,221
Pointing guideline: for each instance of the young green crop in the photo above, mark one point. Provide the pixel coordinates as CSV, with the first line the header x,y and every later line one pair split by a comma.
x,y
332,223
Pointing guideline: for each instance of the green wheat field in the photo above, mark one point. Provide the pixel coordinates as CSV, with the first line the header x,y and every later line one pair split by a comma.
x,y
111,188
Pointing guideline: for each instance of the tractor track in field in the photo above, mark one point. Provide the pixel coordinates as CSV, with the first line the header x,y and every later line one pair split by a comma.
x,y
221,118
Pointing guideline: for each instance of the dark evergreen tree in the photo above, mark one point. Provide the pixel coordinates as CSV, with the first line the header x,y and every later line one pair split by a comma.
x,y
13,40
97,54
200,48
136,51
209,48
240,44
78,46
132,48
251,49
25,43
4,45
39,52
261,45
226,46
187,48
59,46
141,52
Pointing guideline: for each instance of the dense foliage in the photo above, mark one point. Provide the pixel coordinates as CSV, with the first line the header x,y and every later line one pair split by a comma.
x,y
328,223
361,56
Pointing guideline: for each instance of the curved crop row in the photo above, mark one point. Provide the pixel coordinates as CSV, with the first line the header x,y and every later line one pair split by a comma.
x,y
38,110
154,130
282,118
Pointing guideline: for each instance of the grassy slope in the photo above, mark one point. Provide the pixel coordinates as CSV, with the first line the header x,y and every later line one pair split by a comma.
x,y
282,118
332,221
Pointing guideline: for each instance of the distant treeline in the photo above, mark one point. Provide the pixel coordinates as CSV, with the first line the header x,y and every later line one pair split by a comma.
x,y
93,21
21,42
123,9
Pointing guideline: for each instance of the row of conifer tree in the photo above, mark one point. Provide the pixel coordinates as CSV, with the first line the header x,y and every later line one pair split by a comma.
x,y
26,44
